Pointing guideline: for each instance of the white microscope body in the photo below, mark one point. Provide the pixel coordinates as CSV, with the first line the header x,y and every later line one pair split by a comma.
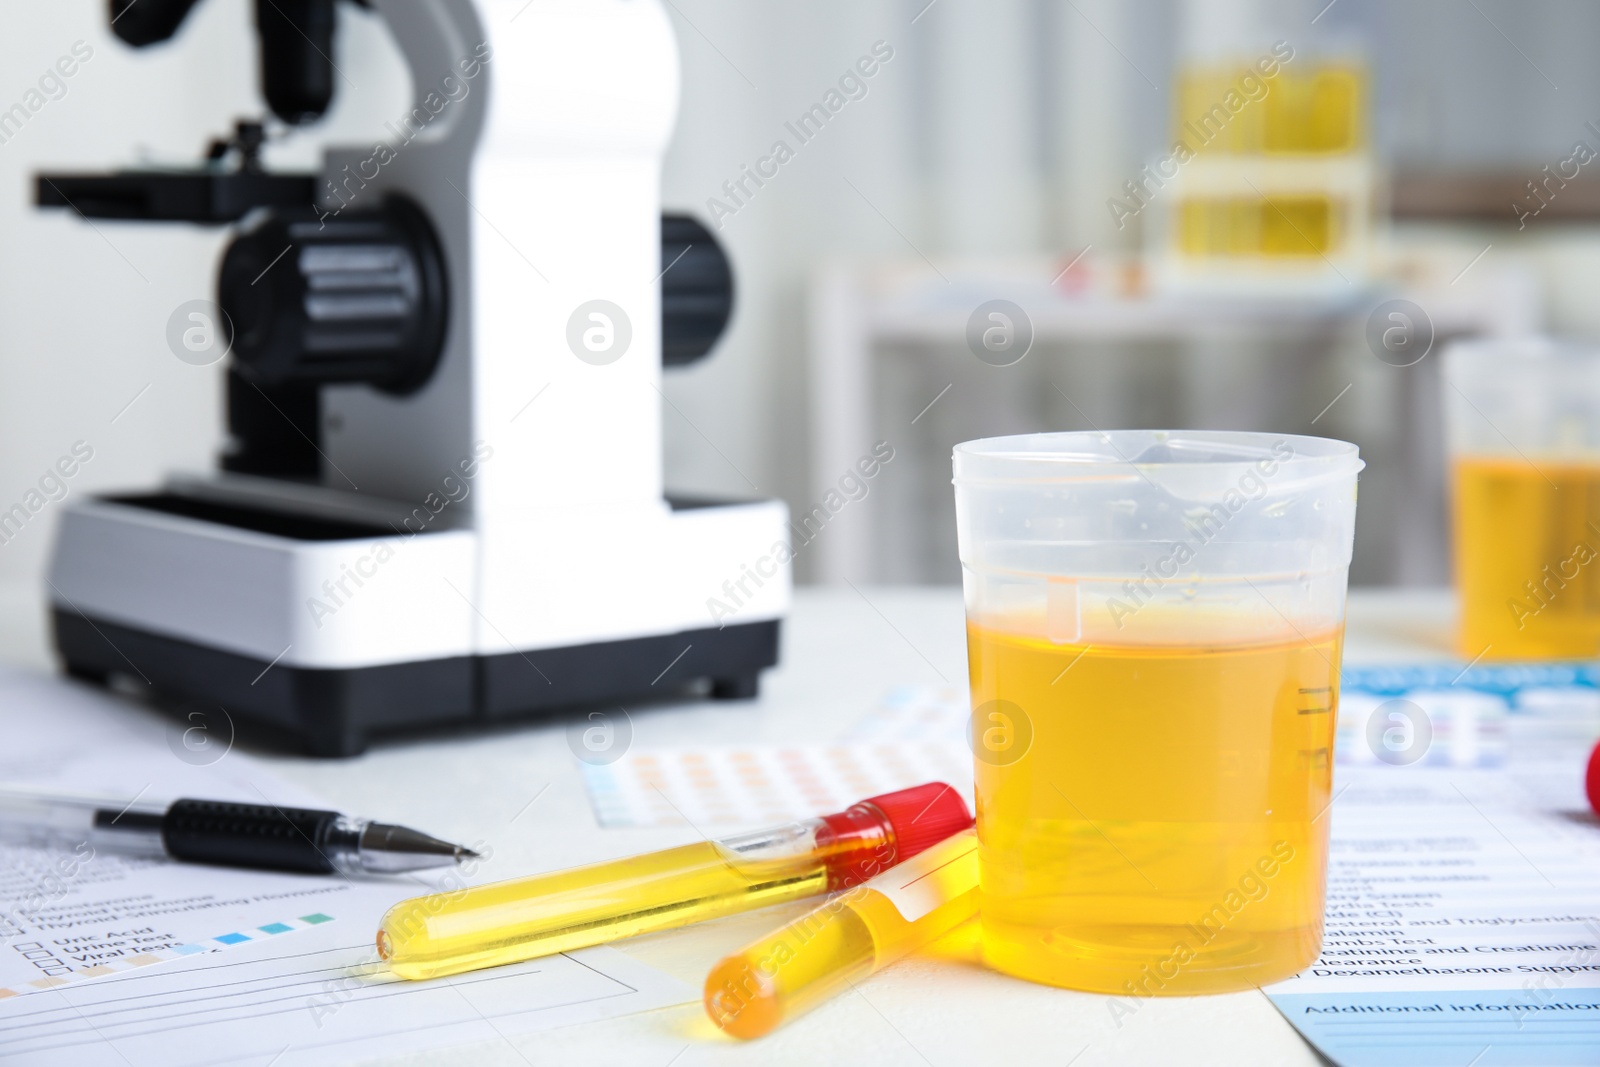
x,y
496,541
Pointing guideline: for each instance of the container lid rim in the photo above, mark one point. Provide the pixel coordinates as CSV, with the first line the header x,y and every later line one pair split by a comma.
x,y
1092,455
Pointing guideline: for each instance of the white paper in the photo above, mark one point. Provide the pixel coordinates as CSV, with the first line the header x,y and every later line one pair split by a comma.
x,y
916,713
73,913
321,1002
311,994
1463,915
67,917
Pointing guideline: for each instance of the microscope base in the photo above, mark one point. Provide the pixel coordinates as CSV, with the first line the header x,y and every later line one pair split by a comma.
x,y
334,712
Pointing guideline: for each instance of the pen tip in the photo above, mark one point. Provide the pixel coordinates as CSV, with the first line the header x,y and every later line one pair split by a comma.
x,y
392,849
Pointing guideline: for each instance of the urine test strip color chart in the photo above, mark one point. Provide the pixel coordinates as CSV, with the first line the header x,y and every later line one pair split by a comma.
x,y
757,785
916,734
60,965
1444,715
1440,715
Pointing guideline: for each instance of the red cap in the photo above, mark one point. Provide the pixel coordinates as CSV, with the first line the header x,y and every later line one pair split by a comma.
x,y
922,816
1593,783
868,838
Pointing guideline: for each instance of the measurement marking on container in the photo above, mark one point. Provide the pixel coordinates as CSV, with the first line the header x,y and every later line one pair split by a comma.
x,y
1314,711
1315,758
1319,689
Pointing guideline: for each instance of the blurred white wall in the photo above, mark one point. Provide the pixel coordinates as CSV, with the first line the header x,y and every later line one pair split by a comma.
x,y
977,137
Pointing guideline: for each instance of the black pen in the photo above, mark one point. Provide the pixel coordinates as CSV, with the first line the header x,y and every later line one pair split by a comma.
x,y
262,836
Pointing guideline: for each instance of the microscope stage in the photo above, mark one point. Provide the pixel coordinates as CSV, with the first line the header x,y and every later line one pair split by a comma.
x,y
334,628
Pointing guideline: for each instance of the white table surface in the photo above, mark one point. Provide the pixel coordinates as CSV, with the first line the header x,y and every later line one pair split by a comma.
x,y
842,651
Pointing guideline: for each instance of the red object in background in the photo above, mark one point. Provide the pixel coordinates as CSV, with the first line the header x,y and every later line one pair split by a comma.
x,y
1593,782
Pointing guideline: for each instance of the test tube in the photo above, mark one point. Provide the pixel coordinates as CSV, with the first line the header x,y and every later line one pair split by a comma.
x,y
862,930
506,922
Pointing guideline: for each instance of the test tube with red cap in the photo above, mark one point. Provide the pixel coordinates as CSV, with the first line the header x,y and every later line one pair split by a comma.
x,y
841,941
507,922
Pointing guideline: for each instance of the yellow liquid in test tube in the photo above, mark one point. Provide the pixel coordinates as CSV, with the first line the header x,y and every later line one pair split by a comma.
x,y
1527,557
511,921
862,930
506,922
1163,831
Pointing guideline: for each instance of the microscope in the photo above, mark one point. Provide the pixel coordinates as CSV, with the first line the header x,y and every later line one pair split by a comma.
x,y
442,500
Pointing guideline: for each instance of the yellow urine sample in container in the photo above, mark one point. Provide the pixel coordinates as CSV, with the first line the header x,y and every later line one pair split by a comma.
x,y
1527,557
1310,109
1319,109
1277,226
1163,831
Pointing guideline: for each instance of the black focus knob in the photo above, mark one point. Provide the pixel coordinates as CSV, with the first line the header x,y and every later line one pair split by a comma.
x,y
696,290
357,298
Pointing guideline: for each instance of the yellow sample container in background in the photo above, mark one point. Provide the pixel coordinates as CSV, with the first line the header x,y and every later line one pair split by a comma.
x,y
1269,180
1523,421
1154,635
1306,106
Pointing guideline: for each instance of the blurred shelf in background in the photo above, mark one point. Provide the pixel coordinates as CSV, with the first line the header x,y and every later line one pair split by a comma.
x,y
1492,196
890,360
